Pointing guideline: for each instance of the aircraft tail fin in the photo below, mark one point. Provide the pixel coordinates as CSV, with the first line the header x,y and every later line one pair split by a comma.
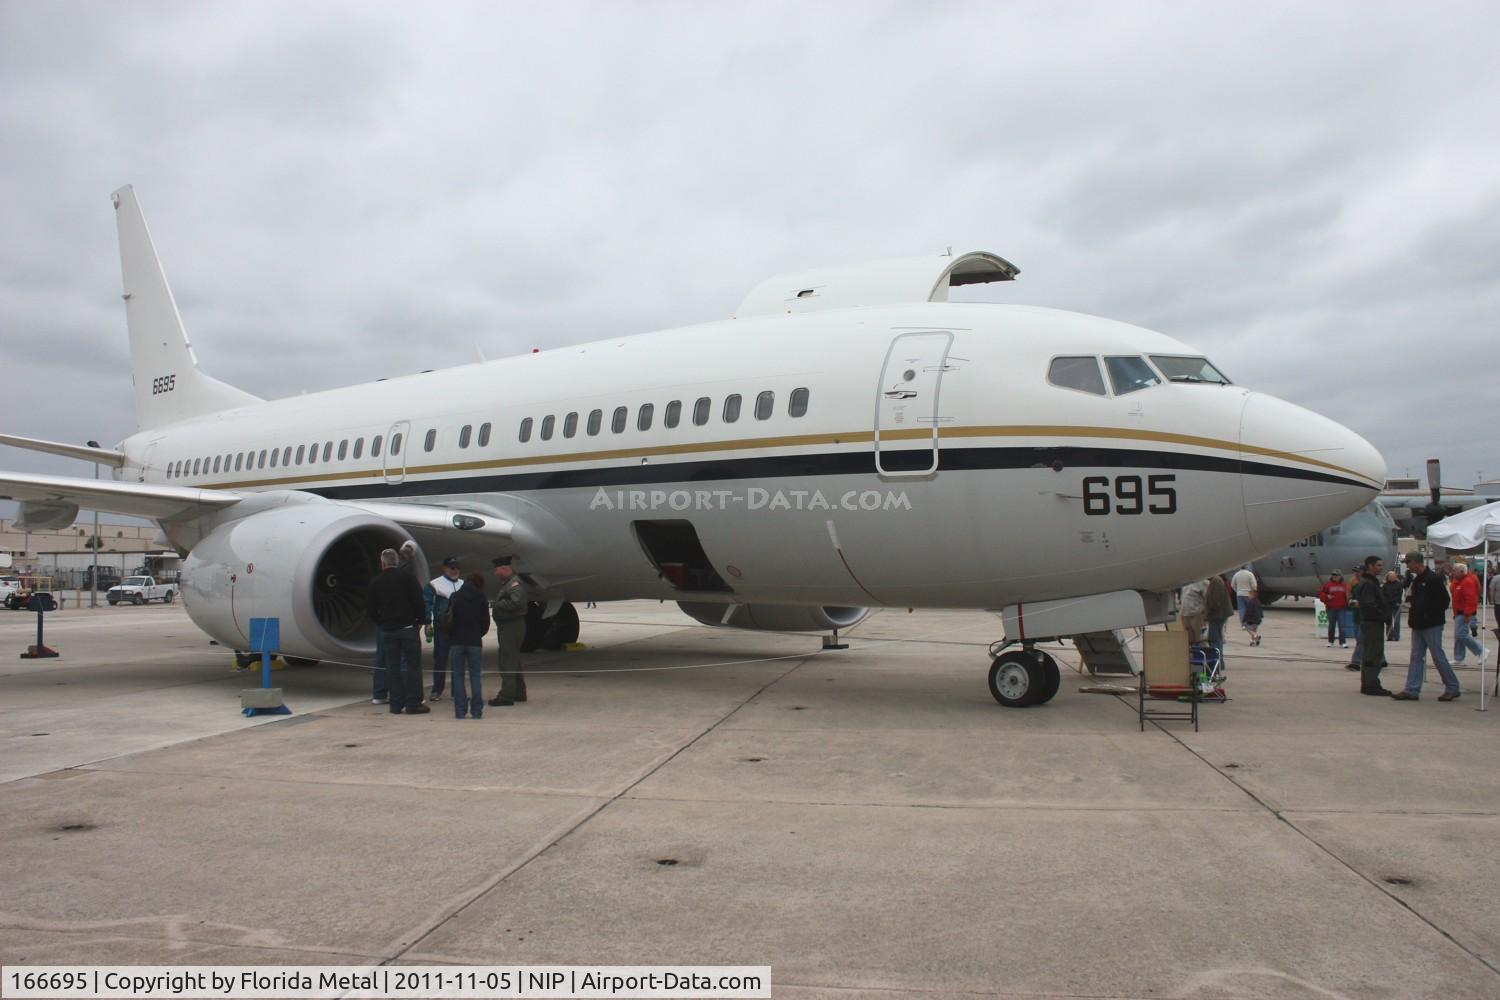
x,y
168,384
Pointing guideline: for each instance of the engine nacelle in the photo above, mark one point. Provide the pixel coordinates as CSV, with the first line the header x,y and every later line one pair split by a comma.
x,y
774,617
308,564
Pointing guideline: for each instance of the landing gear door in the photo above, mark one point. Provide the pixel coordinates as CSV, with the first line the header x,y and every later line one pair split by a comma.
x,y
906,404
396,447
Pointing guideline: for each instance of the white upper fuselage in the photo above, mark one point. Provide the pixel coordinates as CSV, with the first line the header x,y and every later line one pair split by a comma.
x,y
1002,519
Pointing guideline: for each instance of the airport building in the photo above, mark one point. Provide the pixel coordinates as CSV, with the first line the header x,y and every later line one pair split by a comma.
x,y
65,555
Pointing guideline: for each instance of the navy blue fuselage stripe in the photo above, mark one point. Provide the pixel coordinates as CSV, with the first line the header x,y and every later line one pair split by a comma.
x,y
845,463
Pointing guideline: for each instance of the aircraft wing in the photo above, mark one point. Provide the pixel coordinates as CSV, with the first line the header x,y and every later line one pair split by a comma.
x,y
104,456
47,498
53,501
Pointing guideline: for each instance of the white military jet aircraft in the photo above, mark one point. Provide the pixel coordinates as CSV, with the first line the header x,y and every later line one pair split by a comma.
x,y
849,439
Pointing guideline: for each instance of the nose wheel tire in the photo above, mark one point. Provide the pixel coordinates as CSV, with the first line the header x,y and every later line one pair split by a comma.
x,y
1022,678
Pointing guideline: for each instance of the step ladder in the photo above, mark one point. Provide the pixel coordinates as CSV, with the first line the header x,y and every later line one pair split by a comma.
x,y
1105,654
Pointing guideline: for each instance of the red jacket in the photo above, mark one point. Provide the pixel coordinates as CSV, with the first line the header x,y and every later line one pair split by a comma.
x,y
1465,590
1334,595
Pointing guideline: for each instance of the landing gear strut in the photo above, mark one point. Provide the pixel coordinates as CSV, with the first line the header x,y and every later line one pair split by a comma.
x,y
1024,677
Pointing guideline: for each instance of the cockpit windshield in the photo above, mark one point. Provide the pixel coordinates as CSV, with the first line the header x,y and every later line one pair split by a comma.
x,y
1127,373
1182,368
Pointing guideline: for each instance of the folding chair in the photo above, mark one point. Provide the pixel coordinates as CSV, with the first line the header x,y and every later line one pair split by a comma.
x,y
1167,675
1207,661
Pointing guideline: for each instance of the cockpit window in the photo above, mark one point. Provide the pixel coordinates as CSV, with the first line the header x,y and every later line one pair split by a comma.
x,y
1182,368
1129,373
1081,373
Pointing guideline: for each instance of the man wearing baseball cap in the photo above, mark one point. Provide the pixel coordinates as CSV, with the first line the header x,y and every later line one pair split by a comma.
x,y
436,596
509,613
1429,604
1335,597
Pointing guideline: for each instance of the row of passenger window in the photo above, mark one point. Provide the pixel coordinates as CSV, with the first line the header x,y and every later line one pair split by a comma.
x,y
328,451
645,415
302,454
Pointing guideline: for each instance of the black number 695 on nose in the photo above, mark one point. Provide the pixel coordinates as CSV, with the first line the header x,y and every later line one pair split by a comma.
x,y
1128,495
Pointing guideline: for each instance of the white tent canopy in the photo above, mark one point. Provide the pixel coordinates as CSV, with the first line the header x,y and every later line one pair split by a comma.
x,y
1468,530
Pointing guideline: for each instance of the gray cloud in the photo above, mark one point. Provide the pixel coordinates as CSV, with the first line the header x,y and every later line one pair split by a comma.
x,y
349,191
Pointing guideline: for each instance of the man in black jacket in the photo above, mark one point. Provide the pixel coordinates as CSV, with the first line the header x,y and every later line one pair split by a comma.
x,y
1429,606
1373,618
395,605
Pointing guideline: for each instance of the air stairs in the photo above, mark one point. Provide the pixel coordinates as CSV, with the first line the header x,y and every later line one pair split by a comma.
x,y
1105,654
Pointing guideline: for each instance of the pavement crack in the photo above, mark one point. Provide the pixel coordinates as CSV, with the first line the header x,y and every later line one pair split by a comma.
x,y
1331,853
399,950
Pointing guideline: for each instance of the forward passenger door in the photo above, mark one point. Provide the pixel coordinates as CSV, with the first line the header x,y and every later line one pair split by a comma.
x,y
906,404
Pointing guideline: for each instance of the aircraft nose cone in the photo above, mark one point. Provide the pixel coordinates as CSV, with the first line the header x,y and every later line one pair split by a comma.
x,y
1301,472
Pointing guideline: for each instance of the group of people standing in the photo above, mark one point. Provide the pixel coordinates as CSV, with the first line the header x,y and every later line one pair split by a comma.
x,y
456,616
1205,604
1374,601
1378,600
1431,596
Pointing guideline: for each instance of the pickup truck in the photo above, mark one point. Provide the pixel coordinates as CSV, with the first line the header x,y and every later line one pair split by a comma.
x,y
9,586
139,590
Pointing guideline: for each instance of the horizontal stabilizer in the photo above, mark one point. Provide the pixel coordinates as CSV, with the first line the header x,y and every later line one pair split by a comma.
x,y
161,503
104,456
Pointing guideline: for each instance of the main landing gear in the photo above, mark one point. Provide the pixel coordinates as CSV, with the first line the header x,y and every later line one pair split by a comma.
x,y
549,633
1024,677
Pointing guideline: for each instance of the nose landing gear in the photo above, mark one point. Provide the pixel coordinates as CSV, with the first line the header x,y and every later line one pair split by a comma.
x,y
1024,677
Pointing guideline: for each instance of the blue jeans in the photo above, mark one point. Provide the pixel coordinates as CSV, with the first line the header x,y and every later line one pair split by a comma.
x,y
439,662
1337,622
1216,637
1429,640
377,673
1462,640
467,698
403,658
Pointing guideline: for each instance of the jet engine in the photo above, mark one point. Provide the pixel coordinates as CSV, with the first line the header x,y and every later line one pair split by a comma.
x,y
774,617
307,564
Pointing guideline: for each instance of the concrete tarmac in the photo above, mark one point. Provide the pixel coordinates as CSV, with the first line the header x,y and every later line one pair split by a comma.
x,y
867,822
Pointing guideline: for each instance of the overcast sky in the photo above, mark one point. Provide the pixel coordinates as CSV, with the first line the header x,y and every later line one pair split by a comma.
x,y
1309,192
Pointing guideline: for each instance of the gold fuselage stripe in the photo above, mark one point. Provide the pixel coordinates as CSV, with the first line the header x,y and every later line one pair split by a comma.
x,y
803,441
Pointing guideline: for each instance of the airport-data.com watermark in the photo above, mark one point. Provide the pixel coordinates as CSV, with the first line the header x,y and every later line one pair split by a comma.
x,y
751,498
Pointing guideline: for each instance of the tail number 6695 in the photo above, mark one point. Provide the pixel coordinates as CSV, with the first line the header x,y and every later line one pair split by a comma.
x,y
1129,495
165,383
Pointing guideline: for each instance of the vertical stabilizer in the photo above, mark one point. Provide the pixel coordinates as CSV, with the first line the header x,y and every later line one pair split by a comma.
x,y
168,385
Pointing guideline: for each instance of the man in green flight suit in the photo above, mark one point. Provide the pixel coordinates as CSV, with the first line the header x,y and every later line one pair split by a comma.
x,y
510,628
